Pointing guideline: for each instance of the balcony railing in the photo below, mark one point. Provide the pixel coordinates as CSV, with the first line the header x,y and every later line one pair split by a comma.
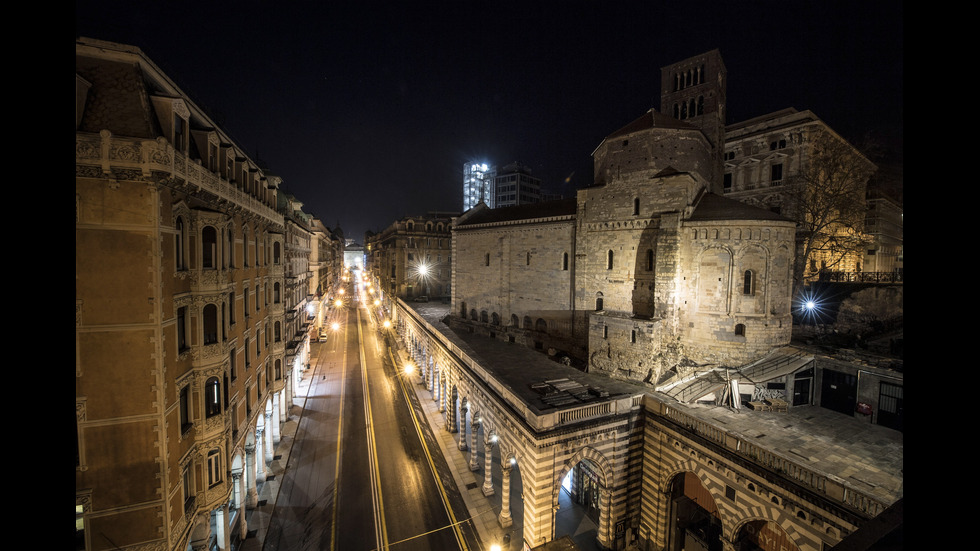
x,y
862,277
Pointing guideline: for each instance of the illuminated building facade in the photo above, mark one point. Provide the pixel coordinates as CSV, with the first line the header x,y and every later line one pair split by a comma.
x,y
478,185
181,378
412,257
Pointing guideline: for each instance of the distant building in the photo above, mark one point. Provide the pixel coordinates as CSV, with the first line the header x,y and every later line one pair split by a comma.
x,y
478,184
514,185
412,257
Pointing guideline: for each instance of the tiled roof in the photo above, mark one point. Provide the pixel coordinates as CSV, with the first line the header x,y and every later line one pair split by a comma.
x,y
716,207
118,99
651,119
545,209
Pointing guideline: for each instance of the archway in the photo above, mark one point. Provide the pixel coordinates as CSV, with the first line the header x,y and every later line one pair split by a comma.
x,y
579,507
763,535
694,521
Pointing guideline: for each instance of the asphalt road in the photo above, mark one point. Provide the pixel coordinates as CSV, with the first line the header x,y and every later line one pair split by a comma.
x,y
365,471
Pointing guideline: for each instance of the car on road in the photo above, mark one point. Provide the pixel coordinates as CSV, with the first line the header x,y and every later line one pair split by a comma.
x,y
323,336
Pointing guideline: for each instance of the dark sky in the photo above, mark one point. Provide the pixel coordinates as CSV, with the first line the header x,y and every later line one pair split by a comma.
x,y
369,110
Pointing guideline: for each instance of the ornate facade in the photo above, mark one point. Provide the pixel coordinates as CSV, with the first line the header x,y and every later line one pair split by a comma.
x,y
181,378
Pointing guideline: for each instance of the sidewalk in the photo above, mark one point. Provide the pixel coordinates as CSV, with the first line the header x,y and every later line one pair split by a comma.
x,y
258,518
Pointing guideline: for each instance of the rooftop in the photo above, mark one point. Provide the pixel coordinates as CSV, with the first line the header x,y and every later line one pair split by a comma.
x,y
862,455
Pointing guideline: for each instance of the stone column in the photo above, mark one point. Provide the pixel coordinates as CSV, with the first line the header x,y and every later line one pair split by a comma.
x,y
488,462
505,519
259,455
462,425
270,447
221,527
251,492
276,427
474,429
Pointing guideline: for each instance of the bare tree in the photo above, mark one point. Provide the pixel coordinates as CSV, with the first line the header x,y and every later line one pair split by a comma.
x,y
829,197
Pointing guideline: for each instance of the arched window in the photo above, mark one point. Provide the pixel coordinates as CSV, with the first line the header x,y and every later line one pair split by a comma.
x,y
740,329
275,292
277,332
609,260
748,283
598,302
514,321
527,322
473,315
209,242
541,325
278,369
212,397
483,316
275,253
210,324
495,318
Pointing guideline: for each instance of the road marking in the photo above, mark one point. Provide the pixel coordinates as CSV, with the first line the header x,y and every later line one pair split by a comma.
x,y
432,466
381,532
340,422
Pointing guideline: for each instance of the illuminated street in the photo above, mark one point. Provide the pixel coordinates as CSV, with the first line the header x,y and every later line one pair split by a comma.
x,y
363,478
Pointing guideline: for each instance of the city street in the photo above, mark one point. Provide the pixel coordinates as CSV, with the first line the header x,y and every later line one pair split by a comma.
x,y
360,474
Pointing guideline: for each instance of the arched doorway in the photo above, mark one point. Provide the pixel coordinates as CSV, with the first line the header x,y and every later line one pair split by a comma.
x,y
763,535
579,505
694,525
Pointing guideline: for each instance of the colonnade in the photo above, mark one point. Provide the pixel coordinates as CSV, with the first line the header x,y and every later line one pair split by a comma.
x,y
477,414
250,466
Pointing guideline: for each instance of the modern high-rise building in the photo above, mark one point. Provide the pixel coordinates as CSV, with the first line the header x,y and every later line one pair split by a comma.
x,y
514,185
478,184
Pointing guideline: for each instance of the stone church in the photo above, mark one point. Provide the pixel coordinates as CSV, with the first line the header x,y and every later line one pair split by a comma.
x,y
650,273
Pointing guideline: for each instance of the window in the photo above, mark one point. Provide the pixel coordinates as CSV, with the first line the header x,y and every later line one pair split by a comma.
x,y
231,365
210,324
179,244
248,362
212,397
776,174
257,301
182,329
609,260
564,261
636,206
748,283
231,308
188,488
487,259
727,182
209,238
598,304
527,259
214,467
180,134
605,331
185,409
633,335
740,330
649,260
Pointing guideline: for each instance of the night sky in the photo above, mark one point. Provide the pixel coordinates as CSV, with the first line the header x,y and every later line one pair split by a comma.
x,y
369,110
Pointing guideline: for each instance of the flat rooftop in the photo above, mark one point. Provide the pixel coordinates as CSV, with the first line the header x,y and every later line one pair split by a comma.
x,y
868,457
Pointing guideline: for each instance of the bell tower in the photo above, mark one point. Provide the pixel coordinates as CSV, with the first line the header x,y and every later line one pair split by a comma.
x,y
693,90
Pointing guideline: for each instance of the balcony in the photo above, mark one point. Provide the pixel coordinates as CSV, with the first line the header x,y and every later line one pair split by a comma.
x,y
105,155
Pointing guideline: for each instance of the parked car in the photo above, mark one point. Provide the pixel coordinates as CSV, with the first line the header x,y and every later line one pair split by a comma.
x,y
422,298
323,336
